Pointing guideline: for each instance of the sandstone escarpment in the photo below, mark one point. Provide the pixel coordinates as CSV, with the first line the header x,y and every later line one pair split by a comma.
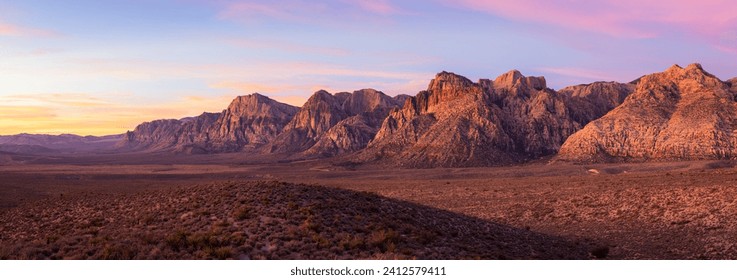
x,y
330,124
591,101
679,114
249,121
457,122
153,135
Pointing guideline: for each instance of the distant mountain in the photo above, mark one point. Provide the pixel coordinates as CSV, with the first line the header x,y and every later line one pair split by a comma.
x,y
330,124
249,122
456,122
65,143
679,114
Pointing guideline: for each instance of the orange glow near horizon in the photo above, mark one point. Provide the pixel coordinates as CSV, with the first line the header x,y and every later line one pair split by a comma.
x,y
96,118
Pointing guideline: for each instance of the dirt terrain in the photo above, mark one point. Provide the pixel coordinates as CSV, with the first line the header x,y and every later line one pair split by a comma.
x,y
324,210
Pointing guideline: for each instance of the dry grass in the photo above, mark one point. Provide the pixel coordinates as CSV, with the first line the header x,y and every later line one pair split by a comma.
x,y
261,220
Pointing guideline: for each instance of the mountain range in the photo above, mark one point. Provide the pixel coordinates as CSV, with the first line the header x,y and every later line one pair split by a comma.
x,y
679,114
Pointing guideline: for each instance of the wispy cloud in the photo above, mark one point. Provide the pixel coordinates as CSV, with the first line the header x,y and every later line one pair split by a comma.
x,y
12,30
288,46
306,11
708,19
577,73
382,7
61,99
248,87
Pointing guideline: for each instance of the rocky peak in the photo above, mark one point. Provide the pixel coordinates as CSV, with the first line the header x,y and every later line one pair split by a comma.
x,y
323,111
676,72
256,105
509,79
445,88
675,68
676,81
514,79
510,119
367,100
678,114
444,81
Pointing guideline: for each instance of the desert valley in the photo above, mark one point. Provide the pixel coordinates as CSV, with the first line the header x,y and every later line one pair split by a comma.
x,y
503,168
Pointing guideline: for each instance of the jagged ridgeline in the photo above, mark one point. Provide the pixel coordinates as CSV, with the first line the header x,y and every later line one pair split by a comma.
x,y
678,114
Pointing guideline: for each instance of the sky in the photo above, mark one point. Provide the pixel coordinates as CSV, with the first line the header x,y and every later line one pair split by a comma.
x,y
99,67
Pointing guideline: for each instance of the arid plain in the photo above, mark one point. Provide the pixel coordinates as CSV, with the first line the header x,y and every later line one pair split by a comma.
x,y
329,210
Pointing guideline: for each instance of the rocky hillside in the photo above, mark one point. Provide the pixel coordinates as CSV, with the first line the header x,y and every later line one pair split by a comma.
x,y
330,124
679,114
591,101
248,122
457,122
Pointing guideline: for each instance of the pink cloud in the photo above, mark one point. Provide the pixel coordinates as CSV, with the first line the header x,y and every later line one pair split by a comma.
x,y
7,29
250,10
706,19
577,73
288,46
305,11
382,7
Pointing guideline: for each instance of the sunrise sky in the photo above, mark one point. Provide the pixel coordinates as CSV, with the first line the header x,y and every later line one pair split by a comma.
x,y
100,67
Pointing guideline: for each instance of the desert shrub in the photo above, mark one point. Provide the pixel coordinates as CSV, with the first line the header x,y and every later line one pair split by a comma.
x,y
177,240
205,241
118,252
210,243
600,252
292,206
220,253
384,239
426,237
310,225
352,242
320,240
96,222
243,213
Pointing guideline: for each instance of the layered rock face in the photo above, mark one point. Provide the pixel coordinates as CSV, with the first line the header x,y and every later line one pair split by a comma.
x,y
153,135
456,122
591,101
679,114
330,124
248,122
449,124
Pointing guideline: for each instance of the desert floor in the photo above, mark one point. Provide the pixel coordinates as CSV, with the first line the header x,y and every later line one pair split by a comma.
x,y
320,210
